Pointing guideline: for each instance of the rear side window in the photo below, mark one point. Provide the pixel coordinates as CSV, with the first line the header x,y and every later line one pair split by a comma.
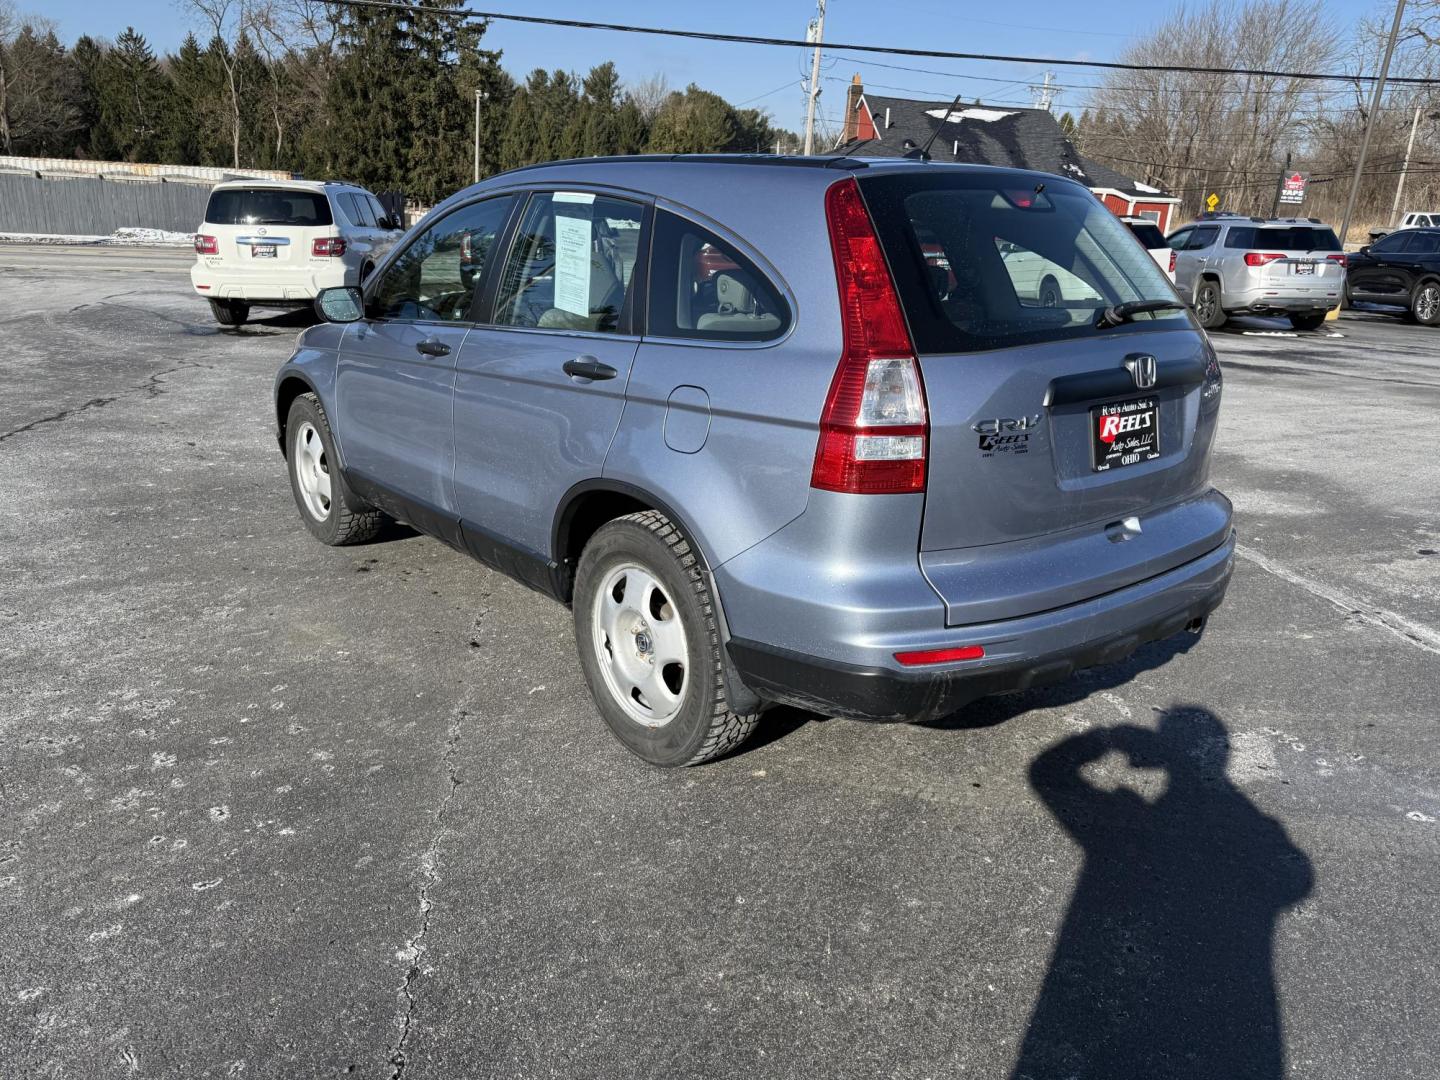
x,y
1423,243
1148,235
357,209
993,260
268,206
701,287
1293,238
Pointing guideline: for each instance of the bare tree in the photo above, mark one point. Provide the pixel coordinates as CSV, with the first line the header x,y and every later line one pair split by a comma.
x,y
226,21
649,95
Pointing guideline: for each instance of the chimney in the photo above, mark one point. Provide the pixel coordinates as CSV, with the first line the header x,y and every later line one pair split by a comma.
x,y
852,108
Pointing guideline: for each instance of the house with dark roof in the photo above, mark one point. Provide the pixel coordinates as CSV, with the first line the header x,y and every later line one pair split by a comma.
x,y
991,135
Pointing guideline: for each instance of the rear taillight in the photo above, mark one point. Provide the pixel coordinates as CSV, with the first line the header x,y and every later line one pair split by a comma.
x,y
1261,258
206,245
1341,259
874,426
327,247
1172,260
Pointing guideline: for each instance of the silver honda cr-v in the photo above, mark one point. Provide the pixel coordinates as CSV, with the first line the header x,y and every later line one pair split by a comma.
x,y
780,430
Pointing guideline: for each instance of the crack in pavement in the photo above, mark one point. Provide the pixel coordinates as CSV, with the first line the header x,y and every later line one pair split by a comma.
x,y
415,946
151,387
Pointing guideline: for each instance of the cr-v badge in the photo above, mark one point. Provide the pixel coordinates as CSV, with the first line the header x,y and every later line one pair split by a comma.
x,y
1006,435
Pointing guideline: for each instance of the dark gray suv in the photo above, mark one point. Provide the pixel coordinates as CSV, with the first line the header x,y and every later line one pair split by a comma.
x,y
780,430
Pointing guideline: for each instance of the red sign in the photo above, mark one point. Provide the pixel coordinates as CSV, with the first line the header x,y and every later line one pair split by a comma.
x,y
1292,189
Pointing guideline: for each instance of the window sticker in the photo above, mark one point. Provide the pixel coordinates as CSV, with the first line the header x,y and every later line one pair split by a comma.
x,y
572,264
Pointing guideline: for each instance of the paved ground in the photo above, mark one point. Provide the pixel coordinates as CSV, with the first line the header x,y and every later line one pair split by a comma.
x,y
275,810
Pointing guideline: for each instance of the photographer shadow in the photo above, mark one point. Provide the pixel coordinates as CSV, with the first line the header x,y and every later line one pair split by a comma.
x,y
1163,966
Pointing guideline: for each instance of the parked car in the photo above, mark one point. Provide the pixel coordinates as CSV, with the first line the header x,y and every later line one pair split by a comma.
x,y
769,449
1153,241
276,244
1409,221
1229,264
1401,270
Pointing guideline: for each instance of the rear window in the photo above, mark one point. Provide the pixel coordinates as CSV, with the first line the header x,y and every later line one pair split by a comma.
x,y
993,260
1148,235
1288,238
268,206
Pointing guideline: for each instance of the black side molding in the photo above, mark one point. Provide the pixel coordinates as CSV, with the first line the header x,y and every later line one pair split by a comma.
x,y
1118,382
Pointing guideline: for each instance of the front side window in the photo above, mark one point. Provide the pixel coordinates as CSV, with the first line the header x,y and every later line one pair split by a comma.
x,y
571,264
1389,245
1023,262
434,278
268,206
701,287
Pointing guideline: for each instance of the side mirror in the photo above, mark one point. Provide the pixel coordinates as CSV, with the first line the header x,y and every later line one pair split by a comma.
x,y
341,304
393,223
1364,250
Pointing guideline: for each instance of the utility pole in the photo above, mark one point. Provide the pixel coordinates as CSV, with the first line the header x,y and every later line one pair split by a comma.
x,y
1279,187
1043,94
1370,120
1400,184
816,33
480,96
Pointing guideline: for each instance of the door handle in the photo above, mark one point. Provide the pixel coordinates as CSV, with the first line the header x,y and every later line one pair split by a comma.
x,y
431,347
587,367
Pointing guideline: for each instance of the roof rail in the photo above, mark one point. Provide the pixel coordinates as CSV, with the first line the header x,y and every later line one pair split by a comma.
x,y
838,161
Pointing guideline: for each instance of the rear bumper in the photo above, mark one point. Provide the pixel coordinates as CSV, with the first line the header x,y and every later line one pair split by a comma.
x,y
1020,653
287,286
1259,302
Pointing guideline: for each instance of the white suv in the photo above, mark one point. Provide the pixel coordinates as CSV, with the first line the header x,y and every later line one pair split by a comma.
x,y
277,243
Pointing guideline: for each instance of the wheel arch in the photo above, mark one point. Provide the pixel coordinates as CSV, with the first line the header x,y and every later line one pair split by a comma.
x,y
290,387
590,504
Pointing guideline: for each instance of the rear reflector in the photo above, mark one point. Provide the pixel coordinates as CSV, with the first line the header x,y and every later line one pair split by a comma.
x,y
206,245
1261,258
941,656
328,247
875,424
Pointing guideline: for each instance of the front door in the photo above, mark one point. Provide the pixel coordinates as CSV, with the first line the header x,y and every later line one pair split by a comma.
x,y
539,392
396,373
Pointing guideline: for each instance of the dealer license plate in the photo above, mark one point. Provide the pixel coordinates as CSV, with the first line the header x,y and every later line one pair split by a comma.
x,y
1303,267
262,251
1125,433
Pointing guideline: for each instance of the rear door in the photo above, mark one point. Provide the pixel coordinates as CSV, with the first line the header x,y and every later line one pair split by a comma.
x,y
539,390
1047,432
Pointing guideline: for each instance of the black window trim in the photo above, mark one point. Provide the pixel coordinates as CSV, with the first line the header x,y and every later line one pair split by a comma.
x,y
765,266
423,228
632,315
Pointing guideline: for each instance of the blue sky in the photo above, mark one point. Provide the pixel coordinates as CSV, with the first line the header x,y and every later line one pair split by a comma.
x,y
769,77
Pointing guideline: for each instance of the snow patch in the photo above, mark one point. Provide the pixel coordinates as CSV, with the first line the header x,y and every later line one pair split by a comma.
x,y
1146,187
956,115
128,237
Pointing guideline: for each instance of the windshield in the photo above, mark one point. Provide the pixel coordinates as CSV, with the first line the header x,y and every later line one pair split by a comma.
x,y
1293,238
268,206
995,259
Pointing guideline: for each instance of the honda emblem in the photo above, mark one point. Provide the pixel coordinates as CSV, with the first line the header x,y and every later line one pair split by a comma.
x,y
1143,369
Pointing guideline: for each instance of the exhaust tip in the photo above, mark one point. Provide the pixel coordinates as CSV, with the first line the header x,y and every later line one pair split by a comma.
x,y
1195,626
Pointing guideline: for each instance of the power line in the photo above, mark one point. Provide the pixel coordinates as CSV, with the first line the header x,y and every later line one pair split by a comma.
x,y
888,50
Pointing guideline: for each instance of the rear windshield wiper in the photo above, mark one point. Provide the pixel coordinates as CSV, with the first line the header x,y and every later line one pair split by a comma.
x,y
1123,313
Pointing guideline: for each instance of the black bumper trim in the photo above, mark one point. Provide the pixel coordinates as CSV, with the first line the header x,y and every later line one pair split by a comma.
x,y
884,694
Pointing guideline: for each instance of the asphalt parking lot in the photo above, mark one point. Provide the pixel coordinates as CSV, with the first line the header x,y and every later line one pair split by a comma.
x,y
269,809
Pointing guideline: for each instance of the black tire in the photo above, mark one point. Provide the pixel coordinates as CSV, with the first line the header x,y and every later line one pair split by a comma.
x,y
1308,322
705,725
1049,294
1425,303
347,519
230,312
1208,311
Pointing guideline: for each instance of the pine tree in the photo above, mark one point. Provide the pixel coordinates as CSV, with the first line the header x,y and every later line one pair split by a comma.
x,y
37,109
367,101
86,60
517,143
133,94
180,138
694,122
600,109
